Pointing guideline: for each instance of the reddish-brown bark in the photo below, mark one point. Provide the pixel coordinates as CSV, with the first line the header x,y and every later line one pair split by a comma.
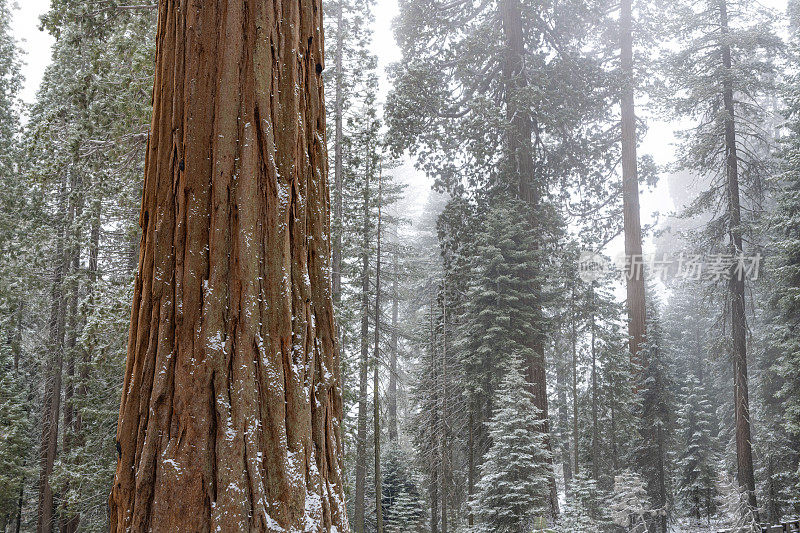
x,y
229,419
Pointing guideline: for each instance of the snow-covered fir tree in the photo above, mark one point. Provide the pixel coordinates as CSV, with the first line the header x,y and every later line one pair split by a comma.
x,y
696,462
737,514
656,421
403,507
630,504
584,510
513,489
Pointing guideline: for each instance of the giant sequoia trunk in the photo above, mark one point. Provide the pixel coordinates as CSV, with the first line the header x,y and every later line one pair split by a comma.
x,y
230,410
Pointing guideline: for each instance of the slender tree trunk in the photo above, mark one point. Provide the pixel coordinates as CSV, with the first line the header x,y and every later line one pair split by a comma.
x,y
68,523
51,408
563,418
444,443
363,370
574,339
393,344
744,454
595,426
337,155
661,520
376,397
637,322
471,462
229,419
20,502
435,451
614,451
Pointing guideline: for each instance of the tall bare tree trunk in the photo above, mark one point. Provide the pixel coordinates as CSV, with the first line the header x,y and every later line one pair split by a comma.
x,y
444,442
337,155
744,453
563,417
435,459
574,342
68,523
393,345
363,367
595,424
376,396
637,319
53,368
229,419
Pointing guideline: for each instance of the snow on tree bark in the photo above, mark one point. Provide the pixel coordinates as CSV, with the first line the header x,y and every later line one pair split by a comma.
x,y
230,410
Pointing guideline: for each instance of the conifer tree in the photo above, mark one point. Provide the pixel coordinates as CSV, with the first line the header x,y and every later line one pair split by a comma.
x,y
84,149
402,504
722,69
784,367
656,421
15,424
15,416
514,478
583,511
470,108
630,505
501,304
696,462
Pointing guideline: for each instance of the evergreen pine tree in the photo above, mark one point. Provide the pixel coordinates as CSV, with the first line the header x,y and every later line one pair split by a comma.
x,y
738,515
514,485
500,306
784,366
18,244
655,420
696,462
718,76
630,504
403,508
583,511
15,430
